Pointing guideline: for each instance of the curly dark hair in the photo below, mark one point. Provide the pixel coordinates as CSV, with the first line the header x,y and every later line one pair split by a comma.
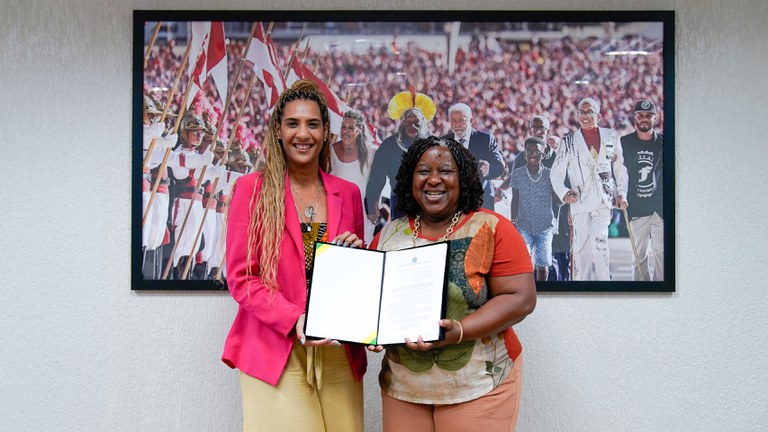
x,y
470,186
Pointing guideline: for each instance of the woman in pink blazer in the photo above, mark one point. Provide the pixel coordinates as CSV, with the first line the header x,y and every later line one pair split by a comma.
x,y
289,382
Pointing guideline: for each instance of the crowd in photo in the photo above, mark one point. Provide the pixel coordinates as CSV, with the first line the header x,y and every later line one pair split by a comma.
x,y
568,144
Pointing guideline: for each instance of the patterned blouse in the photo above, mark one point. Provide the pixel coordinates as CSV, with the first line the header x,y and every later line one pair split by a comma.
x,y
483,244
311,232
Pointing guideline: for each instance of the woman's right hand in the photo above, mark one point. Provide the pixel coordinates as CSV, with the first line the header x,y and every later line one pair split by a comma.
x,y
311,342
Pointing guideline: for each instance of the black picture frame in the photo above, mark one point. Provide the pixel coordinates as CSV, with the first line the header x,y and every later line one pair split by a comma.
x,y
642,39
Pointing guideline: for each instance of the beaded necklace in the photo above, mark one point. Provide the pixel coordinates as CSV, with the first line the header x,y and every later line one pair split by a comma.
x,y
536,180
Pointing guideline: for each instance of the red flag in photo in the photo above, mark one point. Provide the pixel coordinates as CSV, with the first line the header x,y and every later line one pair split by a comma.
x,y
262,54
336,106
373,140
208,57
295,71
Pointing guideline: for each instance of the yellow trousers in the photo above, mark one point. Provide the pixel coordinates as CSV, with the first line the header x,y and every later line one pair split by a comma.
x,y
316,393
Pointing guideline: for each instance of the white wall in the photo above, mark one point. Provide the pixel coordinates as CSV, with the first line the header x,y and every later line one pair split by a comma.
x,y
79,351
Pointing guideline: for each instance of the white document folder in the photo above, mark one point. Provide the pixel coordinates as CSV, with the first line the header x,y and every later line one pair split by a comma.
x,y
377,298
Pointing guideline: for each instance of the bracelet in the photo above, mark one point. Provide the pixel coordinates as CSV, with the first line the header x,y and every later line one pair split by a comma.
x,y
461,331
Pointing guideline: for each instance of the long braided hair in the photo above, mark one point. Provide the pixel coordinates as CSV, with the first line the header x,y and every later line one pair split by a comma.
x,y
267,223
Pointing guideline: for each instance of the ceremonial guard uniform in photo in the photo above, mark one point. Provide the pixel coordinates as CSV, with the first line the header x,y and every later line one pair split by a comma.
x,y
214,170
154,233
185,167
236,166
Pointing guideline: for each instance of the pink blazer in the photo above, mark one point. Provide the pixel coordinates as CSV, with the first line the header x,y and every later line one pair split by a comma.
x,y
262,334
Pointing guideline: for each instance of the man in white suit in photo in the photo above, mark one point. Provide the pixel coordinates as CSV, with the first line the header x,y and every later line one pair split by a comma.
x,y
592,160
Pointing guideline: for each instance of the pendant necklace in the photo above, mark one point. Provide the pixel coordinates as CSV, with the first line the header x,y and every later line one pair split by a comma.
x,y
309,210
308,224
448,232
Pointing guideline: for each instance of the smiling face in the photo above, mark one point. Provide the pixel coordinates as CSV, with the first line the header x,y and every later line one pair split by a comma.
x,y
532,154
436,184
349,134
459,123
589,115
302,133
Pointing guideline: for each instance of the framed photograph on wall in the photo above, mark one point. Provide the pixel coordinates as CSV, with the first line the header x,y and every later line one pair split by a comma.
x,y
576,107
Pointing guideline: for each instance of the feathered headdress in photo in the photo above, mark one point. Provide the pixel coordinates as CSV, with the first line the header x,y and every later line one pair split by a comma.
x,y
406,100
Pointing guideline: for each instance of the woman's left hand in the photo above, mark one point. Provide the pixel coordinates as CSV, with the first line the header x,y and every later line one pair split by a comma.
x,y
348,239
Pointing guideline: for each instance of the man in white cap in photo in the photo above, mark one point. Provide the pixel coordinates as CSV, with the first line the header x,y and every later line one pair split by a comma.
x,y
644,158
